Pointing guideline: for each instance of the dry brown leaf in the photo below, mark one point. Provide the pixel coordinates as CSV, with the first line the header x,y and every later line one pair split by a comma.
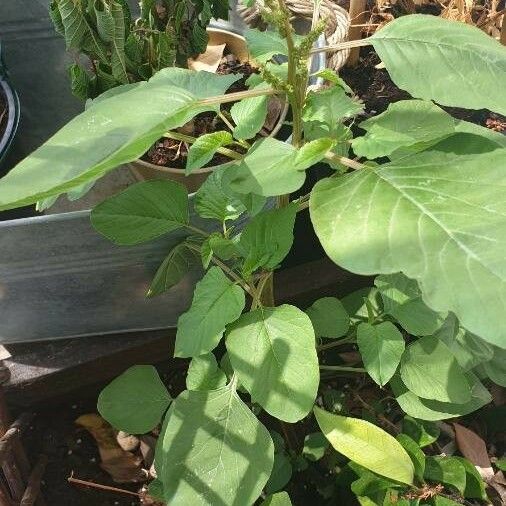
x,y
147,448
128,442
208,61
474,449
123,466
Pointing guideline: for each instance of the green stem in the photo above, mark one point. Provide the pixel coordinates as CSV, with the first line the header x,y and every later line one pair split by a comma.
x,y
347,162
239,95
343,368
334,344
342,45
187,138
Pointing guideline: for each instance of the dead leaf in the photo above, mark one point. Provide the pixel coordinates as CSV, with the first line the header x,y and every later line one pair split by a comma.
x,y
128,442
147,448
123,466
474,449
208,61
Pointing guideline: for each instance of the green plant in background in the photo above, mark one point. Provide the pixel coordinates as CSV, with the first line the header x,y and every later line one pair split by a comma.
x,y
422,206
119,50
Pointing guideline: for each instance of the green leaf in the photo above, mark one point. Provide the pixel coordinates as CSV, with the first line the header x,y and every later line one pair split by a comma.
x,y
430,371
204,148
219,246
440,500
80,82
216,302
369,483
402,299
268,169
155,489
432,216
105,20
431,410
381,347
172,270
249,116
501,464
111,132
118,60
142,212
279,499
404,124
496,368
436,59
315,446
329,318
422,432
281,473
416,454
238,456
215,200
468,349
264,45
135,401
446,470
267,238
269,348
332,76
329,107
74,22
475,486
204,374
356,306
367,445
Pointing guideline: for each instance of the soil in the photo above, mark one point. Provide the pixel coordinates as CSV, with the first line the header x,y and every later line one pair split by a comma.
x,y
172,153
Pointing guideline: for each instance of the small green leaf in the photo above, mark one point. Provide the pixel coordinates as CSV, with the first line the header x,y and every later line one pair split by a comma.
x,y
204,148
142,212
80,82
267,238
496,367
268,169
204,374
279,499
356,306
135,401
422,432
416,454
269,348
155,490
173,269
440,500
216,302
281,473
369,483
249,116
238,456
332,76
501,464
430,371
402,299
426,409
215,200
475,486
404,124
446,470
329,318
381,347
367,445
312,152
315,446
219,246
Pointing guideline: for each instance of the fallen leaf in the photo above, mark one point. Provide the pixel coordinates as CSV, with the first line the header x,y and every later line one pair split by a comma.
x,y
123,466
474,449
208,61
127,441
147,448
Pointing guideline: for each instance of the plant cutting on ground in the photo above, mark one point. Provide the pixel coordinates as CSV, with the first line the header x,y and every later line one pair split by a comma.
x,y
417,200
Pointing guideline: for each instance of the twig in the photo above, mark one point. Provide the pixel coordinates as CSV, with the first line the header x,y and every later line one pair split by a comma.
x,y
381,417
33,487
71,479
342,45
188,138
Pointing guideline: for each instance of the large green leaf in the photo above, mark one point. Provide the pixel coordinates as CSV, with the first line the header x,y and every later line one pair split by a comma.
x,y
416,454
381,347
430,371
176,265
279,499
426,409
135,401
438,218
281,473
329,318
404,124
267,238
402,299
436,59
142,212
216,302
273,352
213,450
446,470
367,445
475,486
112,131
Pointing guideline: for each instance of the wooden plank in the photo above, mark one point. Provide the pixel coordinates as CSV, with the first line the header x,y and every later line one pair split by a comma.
x,y
50,370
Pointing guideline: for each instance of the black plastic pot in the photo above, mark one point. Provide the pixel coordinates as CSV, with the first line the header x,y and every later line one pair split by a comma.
x,y
11,100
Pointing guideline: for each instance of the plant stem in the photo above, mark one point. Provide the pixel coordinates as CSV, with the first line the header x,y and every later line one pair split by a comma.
x,y
187,138
225,120
239,95
343,368
342,45
334,344
348,162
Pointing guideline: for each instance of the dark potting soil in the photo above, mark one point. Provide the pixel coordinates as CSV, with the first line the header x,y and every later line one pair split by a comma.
x,y
171,153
